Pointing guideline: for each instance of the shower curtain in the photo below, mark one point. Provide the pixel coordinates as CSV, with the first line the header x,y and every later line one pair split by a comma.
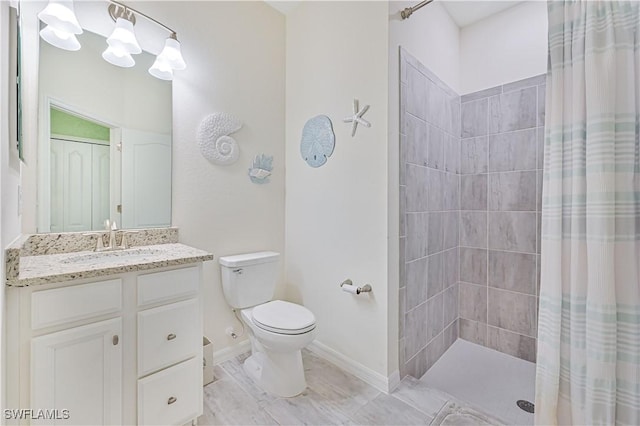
x,y
588,366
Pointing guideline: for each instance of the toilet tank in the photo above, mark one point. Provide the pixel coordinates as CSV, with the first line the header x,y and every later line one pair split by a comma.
x,y
249,279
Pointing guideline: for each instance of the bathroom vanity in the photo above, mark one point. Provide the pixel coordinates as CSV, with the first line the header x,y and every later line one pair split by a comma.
x,y
110,337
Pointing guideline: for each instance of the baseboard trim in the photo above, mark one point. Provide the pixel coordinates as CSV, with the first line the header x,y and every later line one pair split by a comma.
x,y
377,380
230,352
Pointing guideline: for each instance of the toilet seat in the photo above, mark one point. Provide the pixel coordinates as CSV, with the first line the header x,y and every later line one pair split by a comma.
x,y
283,317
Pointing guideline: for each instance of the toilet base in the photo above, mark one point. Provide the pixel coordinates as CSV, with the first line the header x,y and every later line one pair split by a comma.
x,y
280,374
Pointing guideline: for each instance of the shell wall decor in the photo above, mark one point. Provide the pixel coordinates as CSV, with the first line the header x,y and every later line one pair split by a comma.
x,y
261,169
318,140
214,141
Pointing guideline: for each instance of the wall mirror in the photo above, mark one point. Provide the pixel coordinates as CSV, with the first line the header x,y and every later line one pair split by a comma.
x,y
104,134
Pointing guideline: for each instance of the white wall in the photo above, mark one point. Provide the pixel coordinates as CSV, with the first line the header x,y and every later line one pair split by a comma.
x,y
336,215
9,179
505,47
235,54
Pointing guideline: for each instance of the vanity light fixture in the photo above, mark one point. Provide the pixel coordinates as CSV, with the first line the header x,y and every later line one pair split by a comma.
x,y
62,25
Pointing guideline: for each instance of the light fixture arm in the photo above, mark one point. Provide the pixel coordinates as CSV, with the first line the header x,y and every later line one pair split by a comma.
x,y
121,10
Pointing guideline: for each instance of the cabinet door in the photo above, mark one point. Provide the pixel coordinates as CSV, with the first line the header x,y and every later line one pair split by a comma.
x,y
79,370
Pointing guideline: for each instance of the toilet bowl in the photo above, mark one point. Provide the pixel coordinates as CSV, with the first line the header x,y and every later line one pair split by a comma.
x,y
278,330
275,363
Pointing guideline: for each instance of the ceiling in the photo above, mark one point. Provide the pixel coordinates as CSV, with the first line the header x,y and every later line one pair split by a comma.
x,y
467,12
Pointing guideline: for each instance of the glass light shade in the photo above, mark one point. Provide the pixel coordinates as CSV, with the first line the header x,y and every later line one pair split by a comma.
x,y
172,55
161,69
60,16
60,39
118,57
123,38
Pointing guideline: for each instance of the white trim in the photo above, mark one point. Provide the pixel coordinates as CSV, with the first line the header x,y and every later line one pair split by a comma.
x,y
377,380
230,352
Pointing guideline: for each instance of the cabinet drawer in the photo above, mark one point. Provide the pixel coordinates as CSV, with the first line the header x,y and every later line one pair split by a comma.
x,y
172,396
167,335
75,303
167,285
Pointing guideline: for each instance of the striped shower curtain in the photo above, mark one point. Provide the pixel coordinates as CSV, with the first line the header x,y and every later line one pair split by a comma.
x,y
588,370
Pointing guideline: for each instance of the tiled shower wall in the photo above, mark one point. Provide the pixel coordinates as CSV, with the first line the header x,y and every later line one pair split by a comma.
x,y
469,216
429,211
500,192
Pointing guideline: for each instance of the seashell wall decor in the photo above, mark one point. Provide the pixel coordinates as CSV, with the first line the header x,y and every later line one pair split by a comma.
x,y
214,141
261,169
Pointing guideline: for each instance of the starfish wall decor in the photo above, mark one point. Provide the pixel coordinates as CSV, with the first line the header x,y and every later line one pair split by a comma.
x,y
356,118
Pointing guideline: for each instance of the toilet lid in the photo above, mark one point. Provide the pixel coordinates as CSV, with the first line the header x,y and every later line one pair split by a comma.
x,y
283,317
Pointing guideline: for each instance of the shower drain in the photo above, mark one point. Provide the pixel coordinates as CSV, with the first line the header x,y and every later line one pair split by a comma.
x,y
525,405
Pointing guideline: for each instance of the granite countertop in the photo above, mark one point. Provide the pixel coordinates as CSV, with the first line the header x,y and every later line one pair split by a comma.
x,y
49,268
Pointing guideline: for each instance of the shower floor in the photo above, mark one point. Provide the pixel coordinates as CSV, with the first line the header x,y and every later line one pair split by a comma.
x,y
487,379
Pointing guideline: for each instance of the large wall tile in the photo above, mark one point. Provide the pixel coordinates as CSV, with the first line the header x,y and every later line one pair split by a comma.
x,y
435,147
416,283
473,229
512,151
402,305
435,191
435,232
523,347
512,311
416,239
450,304
450,334
416,151
473,265
416,197
512,191
513,111
451,267
435,316
415,331
474,118
451,194
473,302
451,225
542,90
435,282
417,365
473,192
416,94
512,271
473,331
474,155
512,231
452,154
435,349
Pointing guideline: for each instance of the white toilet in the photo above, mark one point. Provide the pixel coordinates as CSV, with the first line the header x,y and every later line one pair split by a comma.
x,y
278,330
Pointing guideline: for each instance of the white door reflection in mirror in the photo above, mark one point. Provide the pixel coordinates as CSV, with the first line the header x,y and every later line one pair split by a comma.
x,y
146,179
80,161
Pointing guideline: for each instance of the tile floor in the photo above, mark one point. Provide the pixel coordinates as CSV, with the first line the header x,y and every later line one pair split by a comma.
x,y
333,397
485,378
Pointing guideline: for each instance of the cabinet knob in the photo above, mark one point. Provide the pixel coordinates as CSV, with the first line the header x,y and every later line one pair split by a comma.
x,y
115,340
171,336
172,400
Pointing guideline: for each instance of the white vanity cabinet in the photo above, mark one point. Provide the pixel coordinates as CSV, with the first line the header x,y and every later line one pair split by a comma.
x,y
122,349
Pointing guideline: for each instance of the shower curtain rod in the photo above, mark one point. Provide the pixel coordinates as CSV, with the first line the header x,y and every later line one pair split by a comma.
x,y
409,10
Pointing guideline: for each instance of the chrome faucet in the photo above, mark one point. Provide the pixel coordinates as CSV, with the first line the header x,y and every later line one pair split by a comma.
x,y
112,234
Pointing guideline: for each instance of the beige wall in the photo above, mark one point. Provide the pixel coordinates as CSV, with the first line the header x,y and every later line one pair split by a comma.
x,y
505,47
336,215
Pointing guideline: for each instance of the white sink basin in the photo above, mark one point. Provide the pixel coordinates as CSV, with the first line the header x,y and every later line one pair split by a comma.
x,y
111,256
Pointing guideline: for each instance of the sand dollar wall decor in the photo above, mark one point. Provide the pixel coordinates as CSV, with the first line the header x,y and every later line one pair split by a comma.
x,y
214,141
318,140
